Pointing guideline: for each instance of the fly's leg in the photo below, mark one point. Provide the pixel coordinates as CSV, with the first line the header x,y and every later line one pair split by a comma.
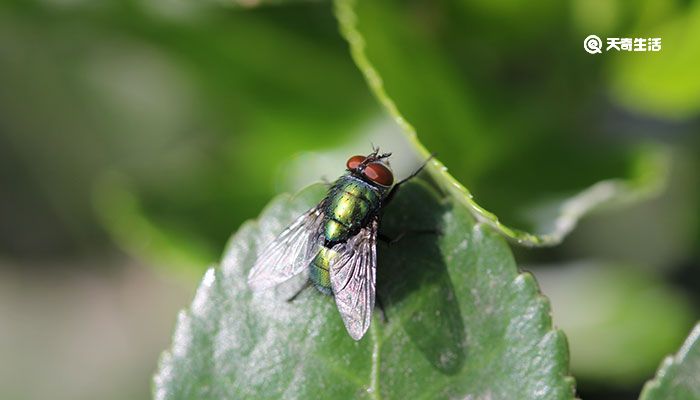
x,y
306,286
389,240
393,191
380,305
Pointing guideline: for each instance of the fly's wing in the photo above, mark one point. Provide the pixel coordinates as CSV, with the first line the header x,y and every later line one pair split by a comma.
x,y
353,273
289,253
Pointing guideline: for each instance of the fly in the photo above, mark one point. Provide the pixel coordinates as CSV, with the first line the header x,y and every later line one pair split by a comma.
x,y
335,242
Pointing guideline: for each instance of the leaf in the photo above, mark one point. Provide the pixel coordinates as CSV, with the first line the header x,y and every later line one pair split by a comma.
x,y
423,79
678,377
619,334
674,92
122,214
235,85
462,322
258,3
182,102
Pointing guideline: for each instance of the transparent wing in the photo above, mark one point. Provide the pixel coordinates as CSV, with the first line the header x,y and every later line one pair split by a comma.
x,y
353,273
289,253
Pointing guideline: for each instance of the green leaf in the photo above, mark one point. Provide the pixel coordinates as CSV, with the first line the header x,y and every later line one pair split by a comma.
x,y
122,214
182,104
619,334
462,321
678,377
258,3
422,85
674,91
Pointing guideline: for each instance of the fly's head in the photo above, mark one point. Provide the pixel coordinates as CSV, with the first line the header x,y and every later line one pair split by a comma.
x,y
373,168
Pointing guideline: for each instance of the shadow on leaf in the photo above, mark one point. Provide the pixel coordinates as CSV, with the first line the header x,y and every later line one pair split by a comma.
x,y
413,283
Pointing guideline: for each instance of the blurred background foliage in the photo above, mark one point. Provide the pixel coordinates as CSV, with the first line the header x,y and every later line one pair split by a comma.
x,y
137,134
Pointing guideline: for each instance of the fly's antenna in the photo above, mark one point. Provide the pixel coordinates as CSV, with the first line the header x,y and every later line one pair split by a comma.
x,y
375,155
375,149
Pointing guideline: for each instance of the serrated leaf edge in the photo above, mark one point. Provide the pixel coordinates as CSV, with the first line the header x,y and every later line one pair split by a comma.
x,y
670,362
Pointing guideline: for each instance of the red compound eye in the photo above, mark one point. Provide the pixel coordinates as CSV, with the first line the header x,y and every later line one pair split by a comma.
x,y
379,173
354,161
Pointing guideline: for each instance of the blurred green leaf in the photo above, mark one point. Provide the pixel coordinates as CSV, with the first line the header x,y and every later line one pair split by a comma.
x,y
651,235
257,3
416,83
663,83
678,377
462,321
197,112
261,113
123,216
618,334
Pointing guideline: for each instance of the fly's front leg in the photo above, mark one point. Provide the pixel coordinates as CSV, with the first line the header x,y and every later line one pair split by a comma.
x,y
380,305
327,182
393,191
295,295
389,240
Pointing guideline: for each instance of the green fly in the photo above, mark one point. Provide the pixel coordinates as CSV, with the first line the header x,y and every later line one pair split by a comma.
x,y
335,241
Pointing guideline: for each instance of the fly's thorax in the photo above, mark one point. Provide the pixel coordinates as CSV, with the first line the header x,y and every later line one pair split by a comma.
x,y
350,204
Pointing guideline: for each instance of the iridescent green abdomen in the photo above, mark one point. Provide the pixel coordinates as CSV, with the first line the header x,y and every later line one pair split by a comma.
x,y
319,270
350,202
